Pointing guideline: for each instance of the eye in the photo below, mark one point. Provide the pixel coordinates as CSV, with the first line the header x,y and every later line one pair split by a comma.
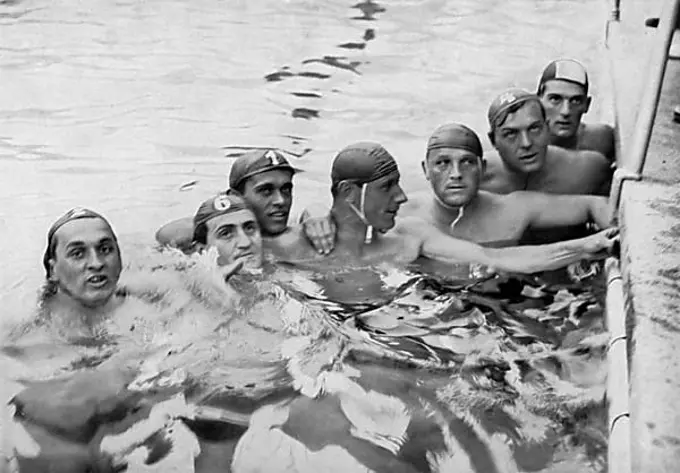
x,y
535,128
265,191
76,253
467,162
250,228
554,99
509,134
106,249
576,101
225,233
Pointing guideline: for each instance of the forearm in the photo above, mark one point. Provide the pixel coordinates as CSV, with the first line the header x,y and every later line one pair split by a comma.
x,y
532,259
599,211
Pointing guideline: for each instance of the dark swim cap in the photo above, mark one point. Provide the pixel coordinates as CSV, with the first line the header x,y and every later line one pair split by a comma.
x,y
256,162
76,213
565,69
362,162
455,135
220,204
498,110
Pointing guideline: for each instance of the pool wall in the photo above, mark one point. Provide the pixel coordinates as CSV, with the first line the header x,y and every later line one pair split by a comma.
x,y
648,213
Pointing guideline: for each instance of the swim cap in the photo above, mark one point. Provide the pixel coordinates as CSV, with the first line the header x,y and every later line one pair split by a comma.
x,y
506,100
220,204
73,214
362,162
455,135
565,69
256,162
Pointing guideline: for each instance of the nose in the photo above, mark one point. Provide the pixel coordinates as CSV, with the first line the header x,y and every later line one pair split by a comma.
x,y
278,198
525,139
565,108
242,239
95,260
455,171
401,196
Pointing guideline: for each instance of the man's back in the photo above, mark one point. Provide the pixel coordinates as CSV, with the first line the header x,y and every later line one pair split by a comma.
x,y
597,137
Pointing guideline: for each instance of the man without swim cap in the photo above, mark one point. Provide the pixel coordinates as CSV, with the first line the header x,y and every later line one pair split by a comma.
x,y
508,102
362,162
455,135
256,162
565,69
73,214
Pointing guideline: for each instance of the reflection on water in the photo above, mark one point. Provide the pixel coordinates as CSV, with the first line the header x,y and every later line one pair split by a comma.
x,y
505,381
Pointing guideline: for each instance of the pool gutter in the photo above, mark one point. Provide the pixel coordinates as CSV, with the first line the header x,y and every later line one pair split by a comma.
x,y
643,295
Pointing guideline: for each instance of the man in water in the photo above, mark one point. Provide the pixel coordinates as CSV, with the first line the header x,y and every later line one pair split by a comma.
x,y
366,199
526,161
82,266
454,167
265,180
563,90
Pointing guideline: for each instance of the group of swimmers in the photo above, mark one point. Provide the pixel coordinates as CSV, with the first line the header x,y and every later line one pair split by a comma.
x,y
548,173
551,171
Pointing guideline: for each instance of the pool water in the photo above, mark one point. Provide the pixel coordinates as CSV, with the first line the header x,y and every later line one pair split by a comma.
x,y
134,109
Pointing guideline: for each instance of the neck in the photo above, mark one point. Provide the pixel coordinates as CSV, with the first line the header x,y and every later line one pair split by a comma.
x,y
351,230
569,142
75,314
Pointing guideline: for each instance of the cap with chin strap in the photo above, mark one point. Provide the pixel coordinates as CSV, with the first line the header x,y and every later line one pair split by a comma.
x,y
361,163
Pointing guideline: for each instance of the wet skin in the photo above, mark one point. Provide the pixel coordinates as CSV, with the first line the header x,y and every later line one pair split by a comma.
x,y
454,175
564,103
87,263
270,195
383,199
237,238
522,140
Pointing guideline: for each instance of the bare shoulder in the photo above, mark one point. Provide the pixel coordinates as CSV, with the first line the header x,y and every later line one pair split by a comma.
x,y
291,245
495,177
598,137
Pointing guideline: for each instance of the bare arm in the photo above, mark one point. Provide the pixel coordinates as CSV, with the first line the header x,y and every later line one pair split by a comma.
x,y
552,210
178,233
520,259
599,169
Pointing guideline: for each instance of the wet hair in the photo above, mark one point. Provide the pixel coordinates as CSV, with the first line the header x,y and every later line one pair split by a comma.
x,y
503,116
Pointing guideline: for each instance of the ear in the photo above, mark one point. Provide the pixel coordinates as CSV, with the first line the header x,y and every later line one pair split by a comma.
x,y
195,247
346,189
51,263
588,100
423,165
492,138
483,165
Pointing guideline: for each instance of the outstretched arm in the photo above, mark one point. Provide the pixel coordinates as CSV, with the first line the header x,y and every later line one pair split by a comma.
x,y
177,234
551,210
519,259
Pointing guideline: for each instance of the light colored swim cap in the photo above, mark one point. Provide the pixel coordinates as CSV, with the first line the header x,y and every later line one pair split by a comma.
x,y
502,103
362,162
455,135
565,69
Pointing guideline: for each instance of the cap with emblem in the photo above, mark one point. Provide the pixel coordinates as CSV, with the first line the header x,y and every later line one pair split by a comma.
x,y
565,69
455,135
220,204
498,110
256,162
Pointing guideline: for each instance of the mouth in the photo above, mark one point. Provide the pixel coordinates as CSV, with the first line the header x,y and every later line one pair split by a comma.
x,y
247,255
455,188
563,123
97,281
279,216
528,157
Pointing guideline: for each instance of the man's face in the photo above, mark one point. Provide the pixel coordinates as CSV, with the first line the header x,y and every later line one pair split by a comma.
x,y
236,236
383,198
454,174
522,140
564,103
270,195
86,264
